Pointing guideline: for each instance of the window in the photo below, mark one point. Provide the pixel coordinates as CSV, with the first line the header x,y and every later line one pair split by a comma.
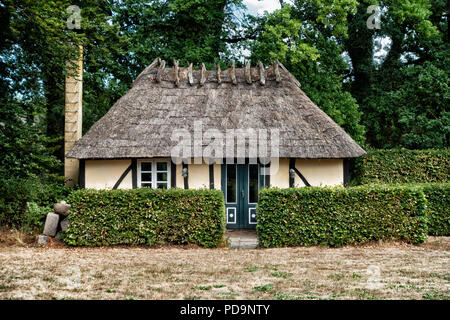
x,y
231,183
253,183
153,174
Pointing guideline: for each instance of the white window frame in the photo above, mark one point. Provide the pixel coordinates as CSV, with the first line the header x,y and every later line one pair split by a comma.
x,y
154,172
226,182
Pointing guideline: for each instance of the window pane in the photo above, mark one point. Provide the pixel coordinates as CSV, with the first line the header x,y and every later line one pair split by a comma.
x,y
146,177
161,166
231,183
253,183
149,185
162,185
146,166
162,176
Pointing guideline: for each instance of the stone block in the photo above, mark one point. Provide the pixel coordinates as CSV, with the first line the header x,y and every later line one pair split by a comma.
x,y
42,239
64,224
51,224
62,208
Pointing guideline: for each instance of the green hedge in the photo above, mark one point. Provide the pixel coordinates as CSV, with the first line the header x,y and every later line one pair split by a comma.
x,y
339,216
146,217
438,203
403,166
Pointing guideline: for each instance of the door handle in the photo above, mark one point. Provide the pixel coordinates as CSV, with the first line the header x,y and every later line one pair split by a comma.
x,y
242,194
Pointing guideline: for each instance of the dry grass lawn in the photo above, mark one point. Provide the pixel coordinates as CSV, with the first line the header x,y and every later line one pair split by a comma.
x,y
377,271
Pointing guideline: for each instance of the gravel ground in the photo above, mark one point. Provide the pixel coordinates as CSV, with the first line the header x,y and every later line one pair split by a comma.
x,y
376,271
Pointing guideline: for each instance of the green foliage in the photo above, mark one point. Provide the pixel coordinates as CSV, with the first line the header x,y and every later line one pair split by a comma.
x,y
25,151
413,113
34,48
280,40
303,38
400,73
340,216
403,166
24,203
187,30
421,103
396,76
438,204
35,216
146,217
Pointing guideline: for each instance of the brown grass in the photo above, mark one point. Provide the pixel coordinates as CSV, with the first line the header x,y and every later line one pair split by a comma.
x,y
375,271
13,237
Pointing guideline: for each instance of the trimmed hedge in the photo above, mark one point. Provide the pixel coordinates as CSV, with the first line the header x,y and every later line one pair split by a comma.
x,y
339,216
403,166
146,217
438,203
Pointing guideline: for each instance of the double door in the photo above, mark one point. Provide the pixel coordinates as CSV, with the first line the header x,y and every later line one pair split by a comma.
x,y
241,183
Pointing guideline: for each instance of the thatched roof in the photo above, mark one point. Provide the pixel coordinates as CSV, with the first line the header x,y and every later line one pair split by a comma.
x,y
162,99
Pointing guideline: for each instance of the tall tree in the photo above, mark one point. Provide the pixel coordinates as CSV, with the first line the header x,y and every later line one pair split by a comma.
x,y
385,70
414,35
304,37
35,47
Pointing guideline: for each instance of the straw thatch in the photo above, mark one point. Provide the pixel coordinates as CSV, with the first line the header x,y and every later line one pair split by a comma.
x,y
162,99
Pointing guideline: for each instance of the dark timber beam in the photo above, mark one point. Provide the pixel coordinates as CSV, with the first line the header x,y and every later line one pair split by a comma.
x,y
124,174
134,173
82,174
292,178
211,176
173,175
186,181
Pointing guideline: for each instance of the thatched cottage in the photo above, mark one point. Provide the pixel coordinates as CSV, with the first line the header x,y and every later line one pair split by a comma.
x,y
132,145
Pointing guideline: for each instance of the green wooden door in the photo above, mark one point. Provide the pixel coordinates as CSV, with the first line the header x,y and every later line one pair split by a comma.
x,y
241,183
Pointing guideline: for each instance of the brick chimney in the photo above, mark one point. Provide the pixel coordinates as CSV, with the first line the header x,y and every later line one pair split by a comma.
x,y
73,118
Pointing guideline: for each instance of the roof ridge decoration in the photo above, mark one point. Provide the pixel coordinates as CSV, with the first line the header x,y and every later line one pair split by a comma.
x,y
157,71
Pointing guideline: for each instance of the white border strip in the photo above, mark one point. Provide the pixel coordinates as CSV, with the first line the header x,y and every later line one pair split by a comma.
x,y
250,216
234,216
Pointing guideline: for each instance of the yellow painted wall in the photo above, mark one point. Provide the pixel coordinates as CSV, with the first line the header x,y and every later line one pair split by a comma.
x,y
198,176
103,174
320,172
180,179
279,175
217,176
